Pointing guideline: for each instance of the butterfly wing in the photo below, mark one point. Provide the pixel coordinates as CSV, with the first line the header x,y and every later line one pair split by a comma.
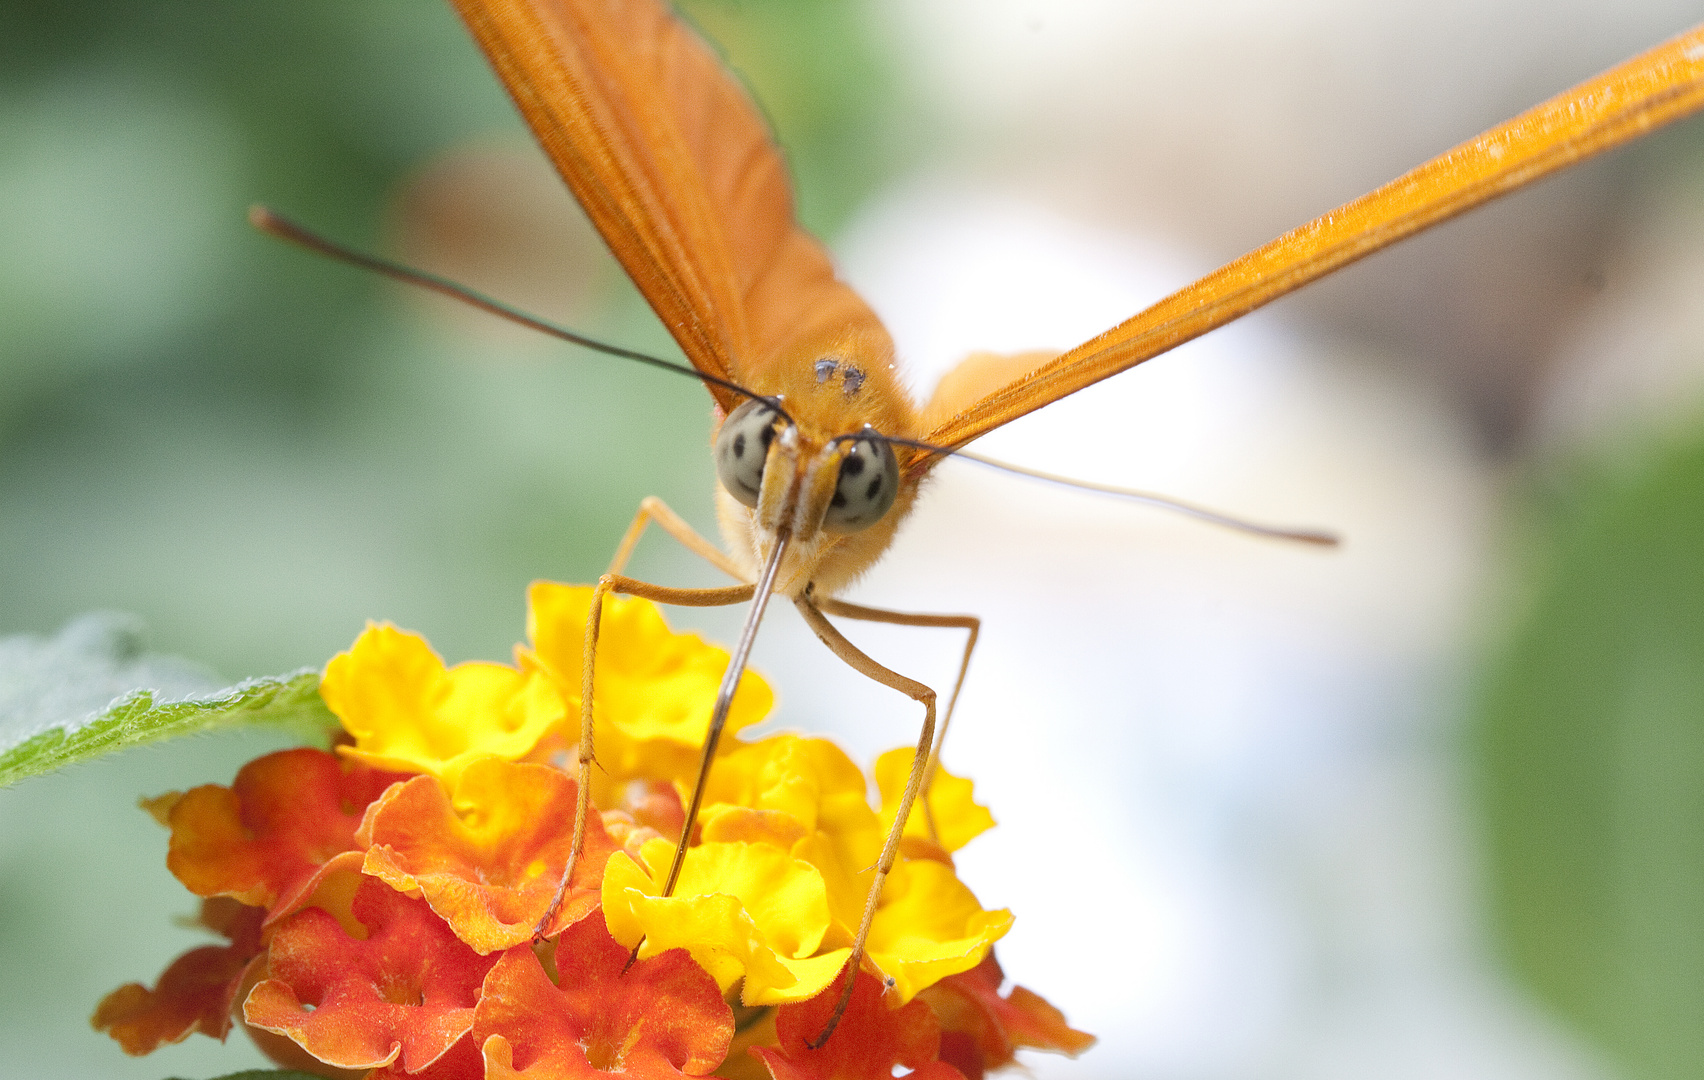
x,y
1625,102
675,167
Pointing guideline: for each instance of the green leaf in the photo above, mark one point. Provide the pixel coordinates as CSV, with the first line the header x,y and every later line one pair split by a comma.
x,y
91,689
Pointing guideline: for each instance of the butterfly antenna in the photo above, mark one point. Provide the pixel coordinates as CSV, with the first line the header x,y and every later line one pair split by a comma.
x,y
274,224
1316,537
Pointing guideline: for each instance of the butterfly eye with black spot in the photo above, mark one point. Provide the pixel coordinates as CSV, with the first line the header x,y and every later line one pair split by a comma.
x,y
869,480
742,446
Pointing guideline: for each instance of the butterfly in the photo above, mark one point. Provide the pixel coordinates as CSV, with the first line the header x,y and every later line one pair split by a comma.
x,y
819,450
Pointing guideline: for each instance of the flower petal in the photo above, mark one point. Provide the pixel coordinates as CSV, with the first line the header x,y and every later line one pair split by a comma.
x,y
742,910
462,1061
930,926
981,1029
489,861
654,689
194,994
261,840
813,782
662,1019
870,1042
958,819
403,994
408,712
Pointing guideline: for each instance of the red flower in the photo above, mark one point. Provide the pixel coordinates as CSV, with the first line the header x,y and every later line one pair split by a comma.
x,y
488,861
869,1042
194,994
406,993
461,1062
981,1029
261,839
381,924
660,1020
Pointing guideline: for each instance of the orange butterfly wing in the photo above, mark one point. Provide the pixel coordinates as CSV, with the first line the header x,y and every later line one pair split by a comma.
x,y
1625,102
676,169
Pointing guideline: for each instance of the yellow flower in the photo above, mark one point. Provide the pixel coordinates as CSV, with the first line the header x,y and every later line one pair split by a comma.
x,y
400,911
815,785
654,690
775,890
408,713
742,910
810,780
957,817
929,926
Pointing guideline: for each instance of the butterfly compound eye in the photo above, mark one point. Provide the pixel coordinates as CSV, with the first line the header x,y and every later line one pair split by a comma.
x,y
742,446
869,480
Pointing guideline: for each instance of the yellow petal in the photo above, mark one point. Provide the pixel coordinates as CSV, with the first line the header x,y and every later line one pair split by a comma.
x,y
957,817
930,926
408,712
743,910
654,689
847,876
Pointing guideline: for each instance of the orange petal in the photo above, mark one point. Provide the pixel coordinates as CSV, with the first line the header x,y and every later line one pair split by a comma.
x,y
981,1029
261,840
405,994
739,823
488,861
661,1019
463,1061
870,1043
194,994
331,887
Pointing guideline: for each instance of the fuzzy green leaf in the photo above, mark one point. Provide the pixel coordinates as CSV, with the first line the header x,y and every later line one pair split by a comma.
x,y
91,689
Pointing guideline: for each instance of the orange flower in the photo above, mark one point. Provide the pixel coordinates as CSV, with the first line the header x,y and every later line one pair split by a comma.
x,y
194,994
488,860
871,1042
405,993
260,840
394,912
661,1019
981,1029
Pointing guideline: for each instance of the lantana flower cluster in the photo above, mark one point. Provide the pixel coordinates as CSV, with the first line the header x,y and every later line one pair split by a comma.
x,y
381,903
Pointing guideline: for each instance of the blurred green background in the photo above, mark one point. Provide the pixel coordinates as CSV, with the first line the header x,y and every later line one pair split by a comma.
x,y
256,451
1589,743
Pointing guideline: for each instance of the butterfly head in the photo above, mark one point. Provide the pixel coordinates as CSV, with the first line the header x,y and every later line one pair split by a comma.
x,y
814,465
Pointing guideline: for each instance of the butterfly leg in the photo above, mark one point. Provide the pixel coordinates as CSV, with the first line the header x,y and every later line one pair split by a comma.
x,y
651,509
654,509
924,696
616,583
969,623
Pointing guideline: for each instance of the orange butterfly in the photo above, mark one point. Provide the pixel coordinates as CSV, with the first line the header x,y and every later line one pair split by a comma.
x,y
819,449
